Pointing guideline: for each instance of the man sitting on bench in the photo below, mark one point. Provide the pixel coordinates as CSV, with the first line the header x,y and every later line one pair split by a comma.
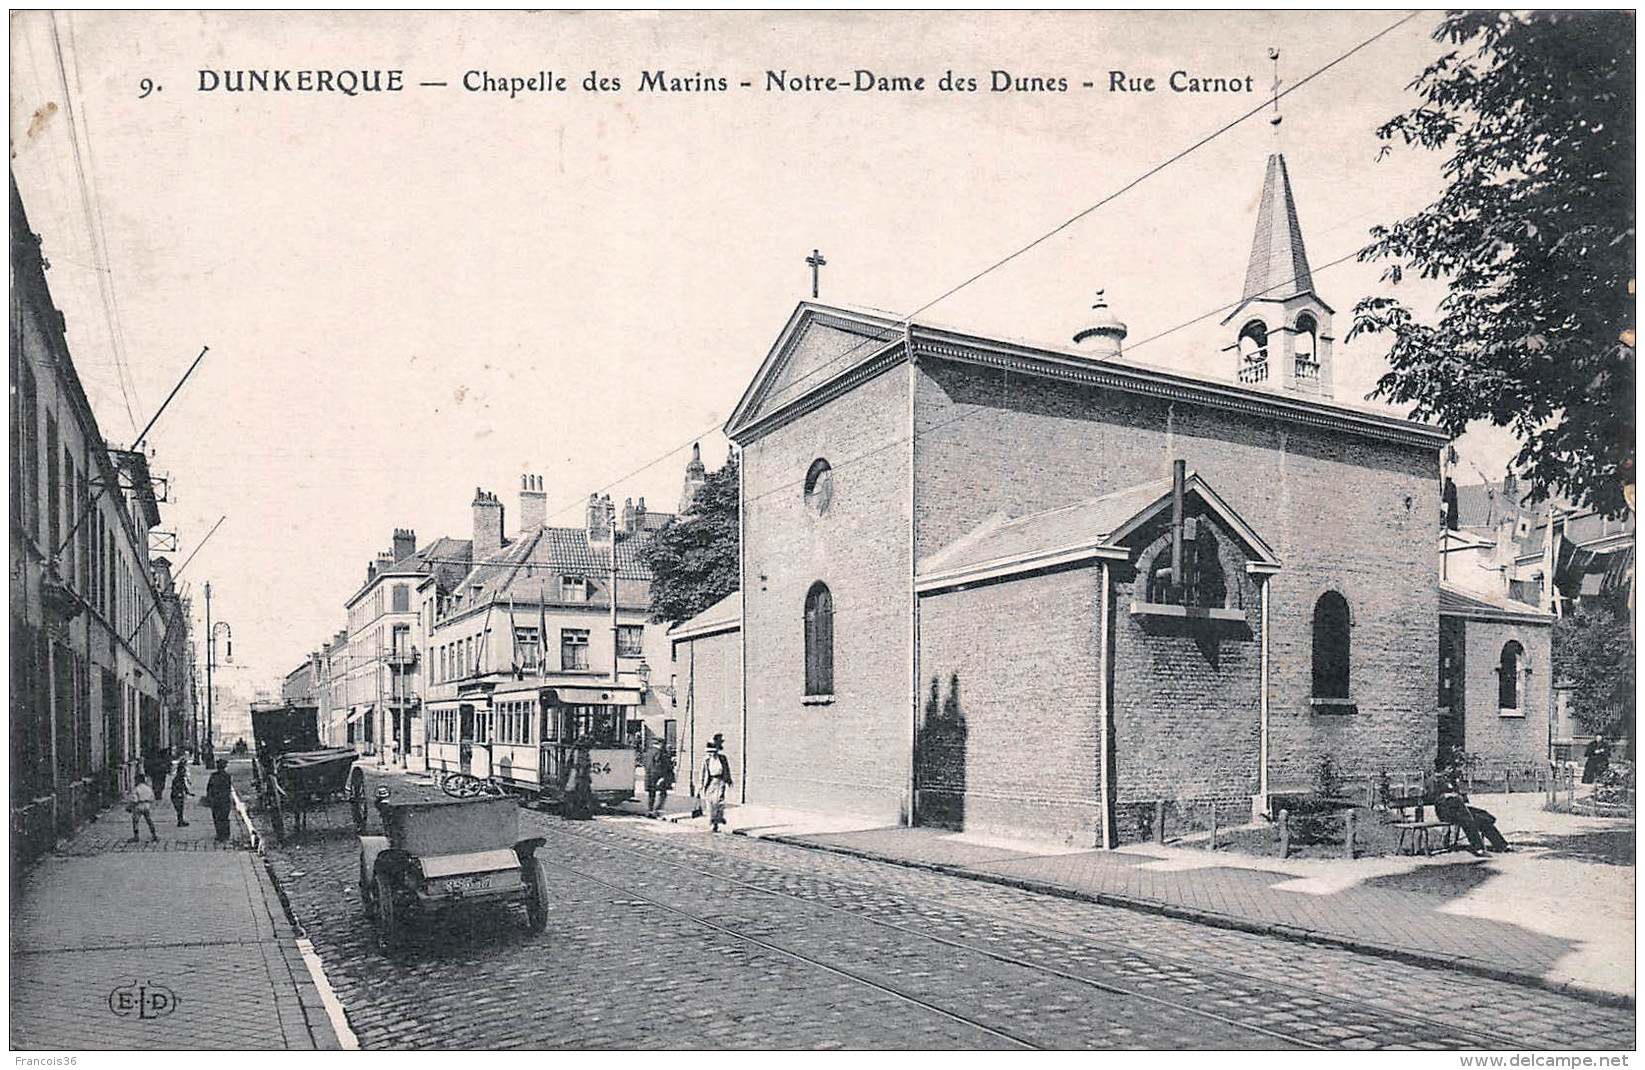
x,y
1452,805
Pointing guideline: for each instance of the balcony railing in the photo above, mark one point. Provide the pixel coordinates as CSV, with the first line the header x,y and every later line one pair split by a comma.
x,y
401,659
1307,370
1254,373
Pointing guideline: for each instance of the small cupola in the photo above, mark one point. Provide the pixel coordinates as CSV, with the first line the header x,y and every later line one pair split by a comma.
x,y
1104,334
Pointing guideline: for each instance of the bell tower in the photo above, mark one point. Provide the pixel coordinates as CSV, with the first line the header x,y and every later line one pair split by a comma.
x,y
1282,330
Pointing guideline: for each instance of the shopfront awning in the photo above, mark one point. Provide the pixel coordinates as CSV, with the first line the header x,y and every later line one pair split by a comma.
x,y
595,696
360,713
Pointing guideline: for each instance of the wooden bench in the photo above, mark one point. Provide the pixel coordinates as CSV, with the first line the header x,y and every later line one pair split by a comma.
x,y
1418,837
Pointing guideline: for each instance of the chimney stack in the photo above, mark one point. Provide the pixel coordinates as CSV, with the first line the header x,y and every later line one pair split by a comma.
x,y
600,519
628,516
533,504
162,574
639,515
488,524
405,543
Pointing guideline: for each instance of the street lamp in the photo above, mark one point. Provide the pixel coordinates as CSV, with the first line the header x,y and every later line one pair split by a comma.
x,y
211,662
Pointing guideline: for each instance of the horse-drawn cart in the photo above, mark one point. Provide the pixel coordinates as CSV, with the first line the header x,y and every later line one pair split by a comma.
x,y
292,771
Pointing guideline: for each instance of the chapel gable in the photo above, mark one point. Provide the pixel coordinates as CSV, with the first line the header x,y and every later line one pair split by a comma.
x,y
817,347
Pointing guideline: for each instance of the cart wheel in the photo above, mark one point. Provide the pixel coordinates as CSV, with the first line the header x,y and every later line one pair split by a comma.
x,y
388,914
276,815
357,799
536,904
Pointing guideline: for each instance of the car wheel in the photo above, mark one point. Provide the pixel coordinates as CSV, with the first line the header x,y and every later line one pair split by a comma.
x,y
368,899
536,904
388,914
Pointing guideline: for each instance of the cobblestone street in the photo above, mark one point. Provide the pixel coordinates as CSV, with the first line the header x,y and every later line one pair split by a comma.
x,y
660,935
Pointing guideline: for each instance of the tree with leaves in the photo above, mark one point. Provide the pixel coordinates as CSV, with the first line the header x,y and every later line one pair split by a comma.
x,y
693,561
1534,237
1593,652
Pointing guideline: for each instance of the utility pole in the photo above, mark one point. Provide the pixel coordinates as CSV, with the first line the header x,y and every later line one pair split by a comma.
x,y
211,651
613,601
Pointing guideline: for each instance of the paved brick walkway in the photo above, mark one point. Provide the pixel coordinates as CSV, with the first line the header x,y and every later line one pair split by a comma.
x,y
1403,915
185,919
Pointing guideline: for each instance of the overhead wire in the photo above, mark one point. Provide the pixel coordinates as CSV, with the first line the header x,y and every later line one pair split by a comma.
x,y
905,320
95,233
901,439
122,348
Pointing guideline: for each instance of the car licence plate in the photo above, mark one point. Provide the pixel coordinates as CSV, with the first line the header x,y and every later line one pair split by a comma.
x,y
474,883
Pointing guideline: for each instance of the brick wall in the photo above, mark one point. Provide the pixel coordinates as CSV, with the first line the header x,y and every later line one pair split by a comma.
x,y
708,699
1519,742
1187,715
1343,513
850,755
1012,745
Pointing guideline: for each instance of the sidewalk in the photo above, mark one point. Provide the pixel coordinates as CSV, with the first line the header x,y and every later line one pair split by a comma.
x,y
1557,913
143,946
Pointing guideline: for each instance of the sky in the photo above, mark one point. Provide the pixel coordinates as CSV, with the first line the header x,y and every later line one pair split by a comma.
x,y
407,296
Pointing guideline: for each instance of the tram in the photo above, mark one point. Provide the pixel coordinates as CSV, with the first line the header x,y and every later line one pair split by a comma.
x,y
522,735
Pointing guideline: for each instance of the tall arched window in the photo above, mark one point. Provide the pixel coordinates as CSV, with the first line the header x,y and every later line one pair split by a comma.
x,y
1507,684
1307,347
1331,647
1253,352
819,640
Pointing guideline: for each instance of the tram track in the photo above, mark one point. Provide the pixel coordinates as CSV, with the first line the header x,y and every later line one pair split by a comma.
x,y
997,956
1481,1039
798,956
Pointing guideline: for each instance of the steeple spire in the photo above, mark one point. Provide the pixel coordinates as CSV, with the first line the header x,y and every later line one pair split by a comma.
x,y
1279,264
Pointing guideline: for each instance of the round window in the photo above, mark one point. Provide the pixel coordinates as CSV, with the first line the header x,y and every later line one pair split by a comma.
x,y
819,487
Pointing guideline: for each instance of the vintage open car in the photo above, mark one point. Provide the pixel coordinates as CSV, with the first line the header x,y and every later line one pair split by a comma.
x,y
438,852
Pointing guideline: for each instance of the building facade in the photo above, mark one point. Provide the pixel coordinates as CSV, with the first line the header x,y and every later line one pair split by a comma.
x,y
1035,591
706,680
98,638
375,678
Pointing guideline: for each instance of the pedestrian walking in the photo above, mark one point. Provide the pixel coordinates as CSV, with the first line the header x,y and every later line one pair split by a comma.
x,y
659,778
141,807
180,791
220,797
577,802
157,765
716,779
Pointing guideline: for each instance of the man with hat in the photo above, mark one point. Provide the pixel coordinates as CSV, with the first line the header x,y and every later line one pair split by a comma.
x,y
716,779
659,778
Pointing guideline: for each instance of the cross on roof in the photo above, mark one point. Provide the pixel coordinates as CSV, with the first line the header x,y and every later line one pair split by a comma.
x,y
816,261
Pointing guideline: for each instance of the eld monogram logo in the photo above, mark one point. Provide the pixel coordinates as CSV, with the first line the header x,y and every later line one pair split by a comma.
x,y
144,1001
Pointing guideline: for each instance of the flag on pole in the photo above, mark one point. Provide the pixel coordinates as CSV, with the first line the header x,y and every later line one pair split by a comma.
x,y
542,630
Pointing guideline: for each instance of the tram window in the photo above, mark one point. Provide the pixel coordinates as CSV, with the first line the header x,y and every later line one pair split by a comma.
x,y
602,724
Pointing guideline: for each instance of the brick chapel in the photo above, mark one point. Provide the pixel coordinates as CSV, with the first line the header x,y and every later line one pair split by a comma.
x,y
1031,591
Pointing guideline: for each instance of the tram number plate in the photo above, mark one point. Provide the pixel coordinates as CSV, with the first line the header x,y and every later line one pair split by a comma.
x,y
478,882
599,768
